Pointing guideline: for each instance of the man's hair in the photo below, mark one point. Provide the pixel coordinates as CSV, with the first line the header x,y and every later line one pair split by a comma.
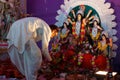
x,y
54,27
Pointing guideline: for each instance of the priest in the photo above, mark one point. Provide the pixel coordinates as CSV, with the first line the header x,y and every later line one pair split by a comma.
x,y
23,50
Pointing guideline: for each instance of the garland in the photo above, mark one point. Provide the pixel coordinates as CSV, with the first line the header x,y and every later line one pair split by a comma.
x,y
93,63
108,65
80,58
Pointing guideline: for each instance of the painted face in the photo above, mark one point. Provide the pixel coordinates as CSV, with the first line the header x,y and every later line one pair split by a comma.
x,y
79,17
103,37
54,33
95,22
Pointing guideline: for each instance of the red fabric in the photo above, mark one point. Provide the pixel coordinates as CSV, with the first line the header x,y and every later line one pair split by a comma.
x,y
4,44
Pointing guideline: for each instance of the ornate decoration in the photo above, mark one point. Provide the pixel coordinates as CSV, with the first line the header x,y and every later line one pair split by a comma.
x,y
104,10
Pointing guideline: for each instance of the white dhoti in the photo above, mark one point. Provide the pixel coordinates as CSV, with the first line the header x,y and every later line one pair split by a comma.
x,y
23,50
29,62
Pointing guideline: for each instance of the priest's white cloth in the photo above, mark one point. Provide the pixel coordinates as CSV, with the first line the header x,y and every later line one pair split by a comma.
x,y
23,50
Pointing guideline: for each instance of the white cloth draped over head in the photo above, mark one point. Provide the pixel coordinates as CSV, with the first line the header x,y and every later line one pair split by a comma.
x,y
24,29
23,51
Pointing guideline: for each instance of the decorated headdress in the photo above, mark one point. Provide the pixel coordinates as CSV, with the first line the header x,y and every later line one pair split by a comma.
x,y
96,19
80,12
104,33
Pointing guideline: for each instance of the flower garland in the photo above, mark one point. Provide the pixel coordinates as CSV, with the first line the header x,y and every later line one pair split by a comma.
x,y
108,65
82,32
80,58
93,63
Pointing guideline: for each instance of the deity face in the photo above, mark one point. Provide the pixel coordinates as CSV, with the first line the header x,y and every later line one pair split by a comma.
x,y
79,16
95,23
103,37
